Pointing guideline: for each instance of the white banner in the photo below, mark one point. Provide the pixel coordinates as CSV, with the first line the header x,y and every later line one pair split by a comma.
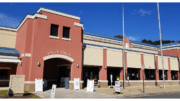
x,y
90,85
117,86
38,85
76,84
53,91
111,78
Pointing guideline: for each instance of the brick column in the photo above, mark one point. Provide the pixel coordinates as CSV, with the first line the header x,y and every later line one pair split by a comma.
x,y
169,70
103,82
156,70
126,72
142,63
178,75
121,74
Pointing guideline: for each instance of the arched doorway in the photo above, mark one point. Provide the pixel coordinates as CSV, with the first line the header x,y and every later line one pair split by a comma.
x,y
56,69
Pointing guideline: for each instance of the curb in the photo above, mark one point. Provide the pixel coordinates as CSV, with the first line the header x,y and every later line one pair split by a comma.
x,y
148,94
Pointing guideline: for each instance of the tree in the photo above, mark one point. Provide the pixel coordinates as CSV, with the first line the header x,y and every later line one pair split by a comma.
x,y
118,36
157,42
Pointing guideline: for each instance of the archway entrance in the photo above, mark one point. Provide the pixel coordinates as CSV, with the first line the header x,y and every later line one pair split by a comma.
x,y
55,72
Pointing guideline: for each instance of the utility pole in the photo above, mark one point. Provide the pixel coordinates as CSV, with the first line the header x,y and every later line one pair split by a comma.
x,y
124,69
161,45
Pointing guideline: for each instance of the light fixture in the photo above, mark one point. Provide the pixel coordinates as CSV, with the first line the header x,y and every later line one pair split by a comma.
x,y
105,67
77,65
38,63
20,63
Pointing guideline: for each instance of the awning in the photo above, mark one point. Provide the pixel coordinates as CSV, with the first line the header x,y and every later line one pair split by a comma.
x,y
10,60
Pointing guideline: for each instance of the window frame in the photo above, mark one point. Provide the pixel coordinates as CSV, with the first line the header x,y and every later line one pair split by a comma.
x,y
65,38
51,35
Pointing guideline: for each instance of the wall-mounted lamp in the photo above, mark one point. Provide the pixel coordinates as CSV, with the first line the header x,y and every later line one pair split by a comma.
x,y
38,63
20,63
105,67
77,65
158,70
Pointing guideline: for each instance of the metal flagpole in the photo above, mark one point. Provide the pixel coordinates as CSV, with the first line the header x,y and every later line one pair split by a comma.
x,y
123,50
161,45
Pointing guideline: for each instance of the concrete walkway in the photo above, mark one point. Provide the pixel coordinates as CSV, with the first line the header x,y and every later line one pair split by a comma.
x,y
108,92
138,91
66,93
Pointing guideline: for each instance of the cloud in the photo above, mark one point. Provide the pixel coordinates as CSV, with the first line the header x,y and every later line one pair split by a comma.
x,y
8,21
133,38
143,12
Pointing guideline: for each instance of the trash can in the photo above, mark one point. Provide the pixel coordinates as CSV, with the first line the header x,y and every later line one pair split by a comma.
x,y
66,82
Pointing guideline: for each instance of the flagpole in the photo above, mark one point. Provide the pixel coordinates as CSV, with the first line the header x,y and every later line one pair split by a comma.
x,y
124,69
161,45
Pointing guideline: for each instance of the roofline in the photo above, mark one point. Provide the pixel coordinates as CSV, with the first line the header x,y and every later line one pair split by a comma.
x,y
119,39
58,13
8,28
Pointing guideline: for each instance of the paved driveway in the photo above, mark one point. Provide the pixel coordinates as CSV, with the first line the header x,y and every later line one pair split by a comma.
x,y
66,93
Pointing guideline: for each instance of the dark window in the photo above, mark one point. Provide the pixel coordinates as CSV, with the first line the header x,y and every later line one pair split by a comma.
x,y
3,74
161,74
66,31
174,75
133,73
54,30
149,74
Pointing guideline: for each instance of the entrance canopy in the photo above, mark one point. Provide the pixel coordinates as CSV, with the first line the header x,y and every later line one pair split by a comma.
x,y
59,56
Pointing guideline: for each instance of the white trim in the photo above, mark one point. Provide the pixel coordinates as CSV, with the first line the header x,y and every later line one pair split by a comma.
x,y
8,57
5,28
58,13
10,60
29,82
79,24
170,48
27,54
102,80
31,17
58,56
66,39
171,45
104,47
22,55
81,81
54,37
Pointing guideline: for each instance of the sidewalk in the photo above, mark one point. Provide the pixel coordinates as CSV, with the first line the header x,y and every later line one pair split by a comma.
x,y
138,91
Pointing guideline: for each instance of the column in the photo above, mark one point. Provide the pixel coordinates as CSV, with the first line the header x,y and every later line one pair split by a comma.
x,y
156,70
142,63
121,74
103,82
169,70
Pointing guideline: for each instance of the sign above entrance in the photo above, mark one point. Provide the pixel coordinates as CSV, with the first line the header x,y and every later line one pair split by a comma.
x,y
59,52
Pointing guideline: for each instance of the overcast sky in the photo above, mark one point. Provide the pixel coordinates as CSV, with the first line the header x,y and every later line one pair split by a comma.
x,y
141,19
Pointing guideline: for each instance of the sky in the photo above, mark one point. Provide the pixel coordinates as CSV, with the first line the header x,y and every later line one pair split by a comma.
x,y
140,19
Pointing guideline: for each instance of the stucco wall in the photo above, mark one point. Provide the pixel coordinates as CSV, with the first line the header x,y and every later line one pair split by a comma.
x,y
165,63
93,55
114,58
133,60
149,61
7,38
174,64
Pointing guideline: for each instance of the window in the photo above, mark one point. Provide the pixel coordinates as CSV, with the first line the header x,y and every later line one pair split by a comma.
x,y
174,75
127,45
133,74
66,32
149,74
54,30
161,74
3,74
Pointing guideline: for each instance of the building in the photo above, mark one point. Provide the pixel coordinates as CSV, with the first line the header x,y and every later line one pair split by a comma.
x,y
51,45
